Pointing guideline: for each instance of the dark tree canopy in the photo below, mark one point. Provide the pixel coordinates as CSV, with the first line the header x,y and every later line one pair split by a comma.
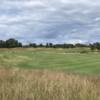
x,y
2,44
10,43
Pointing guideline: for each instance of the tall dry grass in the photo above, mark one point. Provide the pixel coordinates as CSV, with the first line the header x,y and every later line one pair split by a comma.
x,y
16,84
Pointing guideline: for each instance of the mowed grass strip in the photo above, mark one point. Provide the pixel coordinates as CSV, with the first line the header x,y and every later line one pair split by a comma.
x,y
62,59
22,84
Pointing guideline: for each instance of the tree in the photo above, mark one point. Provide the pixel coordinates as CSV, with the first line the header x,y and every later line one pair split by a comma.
x,y
68,46
92,47
97,45
47,45
50,45
33,45
41,45
2,44
20,44
81,45
12,43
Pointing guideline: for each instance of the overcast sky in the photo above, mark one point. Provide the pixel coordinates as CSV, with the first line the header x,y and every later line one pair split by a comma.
x,y
59,21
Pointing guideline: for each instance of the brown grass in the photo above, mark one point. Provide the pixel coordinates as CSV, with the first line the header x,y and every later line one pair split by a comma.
x,y
18,84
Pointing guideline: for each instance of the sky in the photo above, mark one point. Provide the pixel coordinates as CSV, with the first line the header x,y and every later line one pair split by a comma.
x,y
57,21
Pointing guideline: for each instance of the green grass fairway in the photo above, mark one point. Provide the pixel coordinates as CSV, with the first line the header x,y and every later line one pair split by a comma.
x,y
60,59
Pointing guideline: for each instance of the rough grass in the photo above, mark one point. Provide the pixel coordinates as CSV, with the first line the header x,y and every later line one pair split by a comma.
x,y
18,84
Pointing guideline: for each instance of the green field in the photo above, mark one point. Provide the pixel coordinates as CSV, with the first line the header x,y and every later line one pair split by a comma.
x,y
60,59
49,74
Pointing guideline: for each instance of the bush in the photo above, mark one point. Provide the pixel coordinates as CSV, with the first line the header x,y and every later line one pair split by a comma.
x,y
84,51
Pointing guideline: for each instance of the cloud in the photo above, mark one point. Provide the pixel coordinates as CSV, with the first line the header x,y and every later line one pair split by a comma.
x,y
50,21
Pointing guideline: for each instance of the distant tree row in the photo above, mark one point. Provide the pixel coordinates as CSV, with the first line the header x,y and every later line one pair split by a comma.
x,y
51,45
13,43
93,47
10,43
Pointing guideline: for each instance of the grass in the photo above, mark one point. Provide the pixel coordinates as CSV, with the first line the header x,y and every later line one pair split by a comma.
x,y
69,60
21,84
49,74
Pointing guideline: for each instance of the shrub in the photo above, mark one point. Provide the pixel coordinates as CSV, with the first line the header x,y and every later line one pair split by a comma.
x,y
83,51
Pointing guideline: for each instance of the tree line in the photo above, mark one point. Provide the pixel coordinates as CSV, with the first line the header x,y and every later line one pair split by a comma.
x,y
10,43
13,43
